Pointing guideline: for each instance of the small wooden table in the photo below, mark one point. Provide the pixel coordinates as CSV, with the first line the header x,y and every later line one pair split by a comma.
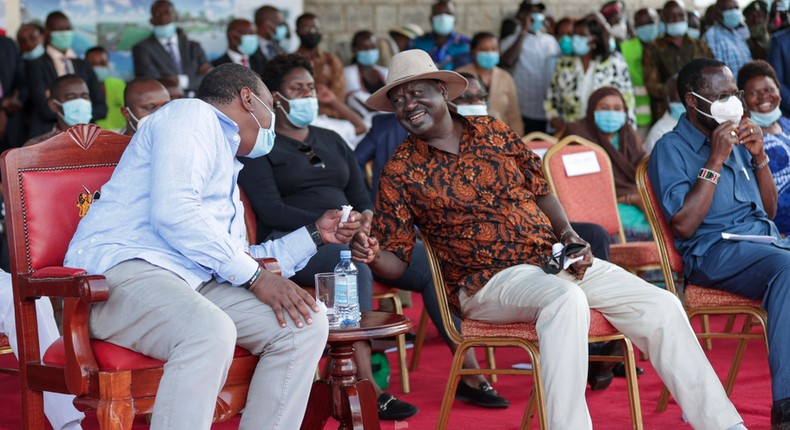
x,y
353,403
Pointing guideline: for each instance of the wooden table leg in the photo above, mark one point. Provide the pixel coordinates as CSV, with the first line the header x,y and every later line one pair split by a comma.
x,y
319,407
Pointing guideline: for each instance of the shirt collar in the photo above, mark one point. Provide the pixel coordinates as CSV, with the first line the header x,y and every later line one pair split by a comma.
x,y
56,54
172,39
229,128
235,56
690,133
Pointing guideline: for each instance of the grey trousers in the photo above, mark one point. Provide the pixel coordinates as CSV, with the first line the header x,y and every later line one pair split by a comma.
x,y
155,312
652,318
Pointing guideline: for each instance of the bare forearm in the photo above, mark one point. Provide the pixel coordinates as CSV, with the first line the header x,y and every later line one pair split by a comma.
x,y
552,208
387,265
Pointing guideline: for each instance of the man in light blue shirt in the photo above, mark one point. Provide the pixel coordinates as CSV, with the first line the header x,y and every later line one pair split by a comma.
x,y
711,175
727,43
168,233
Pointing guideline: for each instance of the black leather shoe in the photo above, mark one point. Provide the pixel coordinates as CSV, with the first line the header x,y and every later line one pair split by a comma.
x,y
392,409
619,370
486,396
599,380
780,415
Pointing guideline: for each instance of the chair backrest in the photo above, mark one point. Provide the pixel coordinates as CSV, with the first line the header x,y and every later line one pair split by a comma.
x,y
441,293
586,197
48,187
671,260
539,142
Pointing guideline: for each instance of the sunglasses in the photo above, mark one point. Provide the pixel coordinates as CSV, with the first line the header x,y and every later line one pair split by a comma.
x,y
308,150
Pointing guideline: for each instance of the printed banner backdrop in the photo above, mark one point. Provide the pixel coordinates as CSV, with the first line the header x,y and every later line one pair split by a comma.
x,y
118,25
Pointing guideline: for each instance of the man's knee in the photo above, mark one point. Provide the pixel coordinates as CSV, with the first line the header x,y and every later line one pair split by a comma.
x,y
215,331
312,337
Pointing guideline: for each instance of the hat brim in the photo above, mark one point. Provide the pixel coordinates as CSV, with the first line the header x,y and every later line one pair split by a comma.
x,y
456,85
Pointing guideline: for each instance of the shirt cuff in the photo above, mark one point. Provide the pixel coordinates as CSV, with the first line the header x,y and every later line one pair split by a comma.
x,y
239,269
300,244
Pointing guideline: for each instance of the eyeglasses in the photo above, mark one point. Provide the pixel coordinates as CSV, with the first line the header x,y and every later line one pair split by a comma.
x,y
308,150
722,97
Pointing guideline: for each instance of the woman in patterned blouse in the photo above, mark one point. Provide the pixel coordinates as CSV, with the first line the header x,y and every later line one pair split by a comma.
x,y
594,64
760,86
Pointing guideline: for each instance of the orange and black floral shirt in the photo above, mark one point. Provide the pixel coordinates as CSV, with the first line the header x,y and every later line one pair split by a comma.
x,y
478,208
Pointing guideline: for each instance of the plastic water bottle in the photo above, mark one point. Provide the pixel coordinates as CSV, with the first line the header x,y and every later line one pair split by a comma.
x,y
346,297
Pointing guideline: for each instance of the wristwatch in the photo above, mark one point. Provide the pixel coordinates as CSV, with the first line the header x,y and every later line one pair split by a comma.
x,y
315,235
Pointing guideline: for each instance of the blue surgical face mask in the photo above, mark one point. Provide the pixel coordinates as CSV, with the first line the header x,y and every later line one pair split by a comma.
x,y
472,110
609,121
693,33
443,24
662,28
249,44
647,33
537,21
34,53
165,31
301,111
280,32
566,45
581,45
61,40
76,111
731,18
676,109
102,72
612,44
368,57
766,119
677,29
487,59
264,141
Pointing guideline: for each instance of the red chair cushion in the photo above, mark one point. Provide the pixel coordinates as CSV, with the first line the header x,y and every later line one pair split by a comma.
x,y
697,297
52,209
470,329
111,357
634,254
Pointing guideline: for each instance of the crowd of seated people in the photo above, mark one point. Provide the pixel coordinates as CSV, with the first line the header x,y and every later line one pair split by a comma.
x,y
609,75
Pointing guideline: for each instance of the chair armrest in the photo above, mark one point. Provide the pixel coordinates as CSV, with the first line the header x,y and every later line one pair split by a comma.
x,y
271,265
79,290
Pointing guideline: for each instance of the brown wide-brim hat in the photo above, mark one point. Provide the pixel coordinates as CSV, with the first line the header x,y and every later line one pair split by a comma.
x,y
414,65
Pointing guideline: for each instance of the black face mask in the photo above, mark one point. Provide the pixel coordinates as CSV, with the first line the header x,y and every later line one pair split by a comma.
x,y
311,40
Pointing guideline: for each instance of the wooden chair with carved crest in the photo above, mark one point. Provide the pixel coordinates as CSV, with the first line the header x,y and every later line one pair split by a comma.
x,y
47,187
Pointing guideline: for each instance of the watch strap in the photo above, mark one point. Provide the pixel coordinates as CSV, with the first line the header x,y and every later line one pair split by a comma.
x,y
315,235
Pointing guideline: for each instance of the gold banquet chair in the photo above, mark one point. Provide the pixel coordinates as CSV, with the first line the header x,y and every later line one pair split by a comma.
x,y
699,301
523,335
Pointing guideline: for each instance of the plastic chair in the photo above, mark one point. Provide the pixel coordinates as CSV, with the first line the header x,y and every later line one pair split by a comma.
x,y
699,301
46,187
591,198
523,335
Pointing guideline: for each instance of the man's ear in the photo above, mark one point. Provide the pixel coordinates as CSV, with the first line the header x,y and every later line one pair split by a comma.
x,y
246,99
125,113
443,89
52,105
690,99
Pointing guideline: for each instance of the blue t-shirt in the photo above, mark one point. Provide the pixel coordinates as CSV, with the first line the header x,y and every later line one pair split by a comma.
x,y
454,53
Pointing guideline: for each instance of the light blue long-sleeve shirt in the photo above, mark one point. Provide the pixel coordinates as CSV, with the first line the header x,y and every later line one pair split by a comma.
x,y
173,201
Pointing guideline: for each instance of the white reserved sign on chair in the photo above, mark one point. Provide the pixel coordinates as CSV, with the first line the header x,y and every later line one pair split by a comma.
x,y
580,163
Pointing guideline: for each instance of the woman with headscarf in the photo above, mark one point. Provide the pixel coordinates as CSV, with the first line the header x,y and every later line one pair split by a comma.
x,y
608,125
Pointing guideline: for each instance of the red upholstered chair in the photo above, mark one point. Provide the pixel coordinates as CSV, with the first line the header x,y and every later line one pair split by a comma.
x,y
539,142
523,335
591,198
46,188
699,301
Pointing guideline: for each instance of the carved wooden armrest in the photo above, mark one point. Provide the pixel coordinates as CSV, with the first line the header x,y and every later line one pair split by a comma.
x,y
79,290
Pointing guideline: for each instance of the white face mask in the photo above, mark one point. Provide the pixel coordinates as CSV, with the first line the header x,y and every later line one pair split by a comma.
x,y
138,122
620,30
264,142
721,111
472,110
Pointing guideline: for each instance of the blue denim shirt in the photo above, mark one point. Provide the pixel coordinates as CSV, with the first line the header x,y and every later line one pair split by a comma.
x,y
454,53
736,207
173,201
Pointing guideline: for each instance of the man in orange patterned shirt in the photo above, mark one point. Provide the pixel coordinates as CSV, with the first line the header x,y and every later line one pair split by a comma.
x,y
478,195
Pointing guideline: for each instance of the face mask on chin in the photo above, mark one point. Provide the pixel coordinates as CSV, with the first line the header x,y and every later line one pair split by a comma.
x,y
310,41
36,52
264,141
472,110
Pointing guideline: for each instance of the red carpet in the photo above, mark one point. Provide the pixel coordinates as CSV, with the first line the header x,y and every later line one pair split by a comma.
x,y
609,408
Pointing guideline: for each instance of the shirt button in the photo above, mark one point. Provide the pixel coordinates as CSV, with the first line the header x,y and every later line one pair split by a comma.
x,y
79,252
232,278
235,137
93,239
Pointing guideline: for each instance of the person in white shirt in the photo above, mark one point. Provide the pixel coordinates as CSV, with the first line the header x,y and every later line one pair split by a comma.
x,y
168,234
669,120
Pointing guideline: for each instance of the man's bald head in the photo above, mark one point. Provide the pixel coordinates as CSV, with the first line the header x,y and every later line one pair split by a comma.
x,y
142,97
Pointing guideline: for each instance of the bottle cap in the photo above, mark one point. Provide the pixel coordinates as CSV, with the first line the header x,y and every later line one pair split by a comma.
x,y
346,253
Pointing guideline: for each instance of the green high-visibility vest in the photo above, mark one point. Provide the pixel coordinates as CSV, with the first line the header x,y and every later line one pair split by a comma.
x,y
632,52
